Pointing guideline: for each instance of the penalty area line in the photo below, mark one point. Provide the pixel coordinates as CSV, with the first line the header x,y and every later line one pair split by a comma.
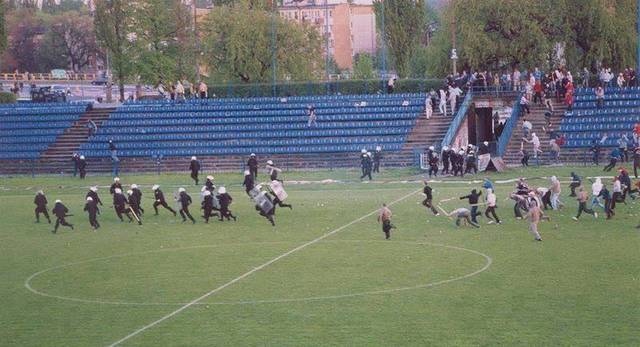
x,y
254,270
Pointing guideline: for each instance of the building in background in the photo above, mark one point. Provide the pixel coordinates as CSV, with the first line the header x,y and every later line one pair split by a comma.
x,y
351,25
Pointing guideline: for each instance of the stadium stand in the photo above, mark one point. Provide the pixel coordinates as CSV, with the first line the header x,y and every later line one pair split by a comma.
x,y
26,130
587,122
258,125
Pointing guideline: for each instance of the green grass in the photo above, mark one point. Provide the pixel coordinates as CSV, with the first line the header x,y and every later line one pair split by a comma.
x,y
581,286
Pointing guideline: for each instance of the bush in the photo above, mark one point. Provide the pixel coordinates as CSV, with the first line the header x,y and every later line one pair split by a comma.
x,y
7,98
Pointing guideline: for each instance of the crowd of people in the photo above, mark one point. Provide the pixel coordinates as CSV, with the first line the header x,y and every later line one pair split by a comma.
x,y
214,201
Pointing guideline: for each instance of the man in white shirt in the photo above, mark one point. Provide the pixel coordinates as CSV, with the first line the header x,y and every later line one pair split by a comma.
x,y
443,102
454,93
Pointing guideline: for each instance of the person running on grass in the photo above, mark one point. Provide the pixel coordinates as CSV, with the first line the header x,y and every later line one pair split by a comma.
x,y
462,214
384,217
534,215
41,206
491,207
427,191
582,198
60,211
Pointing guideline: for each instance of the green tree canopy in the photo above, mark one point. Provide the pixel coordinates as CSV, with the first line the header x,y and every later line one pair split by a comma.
x,y
238,46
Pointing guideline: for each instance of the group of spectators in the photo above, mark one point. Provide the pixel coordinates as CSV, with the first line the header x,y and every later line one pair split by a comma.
x,y
179,91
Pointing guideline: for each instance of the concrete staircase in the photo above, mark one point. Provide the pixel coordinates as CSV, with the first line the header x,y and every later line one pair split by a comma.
x,y
60,152
536,117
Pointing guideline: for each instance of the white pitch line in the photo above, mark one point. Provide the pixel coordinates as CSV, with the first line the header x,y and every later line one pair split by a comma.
x,y
249,273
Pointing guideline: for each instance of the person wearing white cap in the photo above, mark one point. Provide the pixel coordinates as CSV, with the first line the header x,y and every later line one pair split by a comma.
x,y
93,194
158,195
119,202
249,182
41,206
137,194
209,184
377,157
252,163
194,167
471,161
60,211
207,206
91,207
363,161
185,200
225,201
116,185
82,167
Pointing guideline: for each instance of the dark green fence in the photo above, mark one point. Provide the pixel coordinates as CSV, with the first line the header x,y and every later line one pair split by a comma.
x,y
285,89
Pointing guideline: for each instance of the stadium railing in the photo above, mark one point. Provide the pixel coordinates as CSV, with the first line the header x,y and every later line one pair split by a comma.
x,y
457,120
511,123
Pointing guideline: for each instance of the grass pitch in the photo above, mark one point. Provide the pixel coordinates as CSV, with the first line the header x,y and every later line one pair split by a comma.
x,y
432,284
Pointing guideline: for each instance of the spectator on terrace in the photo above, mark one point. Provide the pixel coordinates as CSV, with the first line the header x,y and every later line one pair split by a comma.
x,y
526,127
114,158
390,85
180,90
568,98
632,78
434,98
443,102
548,103
311,112
92,127
161,90
202,90
620,81
172,92
537,89
516,79
585,78
569,77
599,96
454,93
524,104
555,151
528,88
428,107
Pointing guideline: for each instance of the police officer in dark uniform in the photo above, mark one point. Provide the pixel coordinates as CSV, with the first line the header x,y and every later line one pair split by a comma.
x,y
576,181
116,185
75,158
134,206
209,184
428,201
225,201
446,156
137,194
207,206
60,211
363,161
185,200
160,201
433,165
249,181
471,164
273,171
636,160
377,157
93,194
119,205
194,166
82,167
41,206
91,207
252,163
367,166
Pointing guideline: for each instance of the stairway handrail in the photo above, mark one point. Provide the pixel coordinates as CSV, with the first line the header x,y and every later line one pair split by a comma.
x,y
457,120
505,137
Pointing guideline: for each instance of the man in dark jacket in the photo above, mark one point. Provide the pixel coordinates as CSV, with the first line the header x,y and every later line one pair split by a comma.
x,y
207,206
194,166
60,211
137,194
91,207
75,158
116,185
160,200
252,163
41,206
134,206
82,167
576,182
367,166
428,201
209,184
446,156
225,201
473,198
185,200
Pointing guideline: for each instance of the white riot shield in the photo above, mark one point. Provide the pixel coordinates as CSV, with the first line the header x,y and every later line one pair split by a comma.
x,y
261,200
278,190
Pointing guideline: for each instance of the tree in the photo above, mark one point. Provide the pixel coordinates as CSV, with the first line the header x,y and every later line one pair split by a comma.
x,y
3,28
74,33
26,26
238,46
164,49
112,20
404,26
363,67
